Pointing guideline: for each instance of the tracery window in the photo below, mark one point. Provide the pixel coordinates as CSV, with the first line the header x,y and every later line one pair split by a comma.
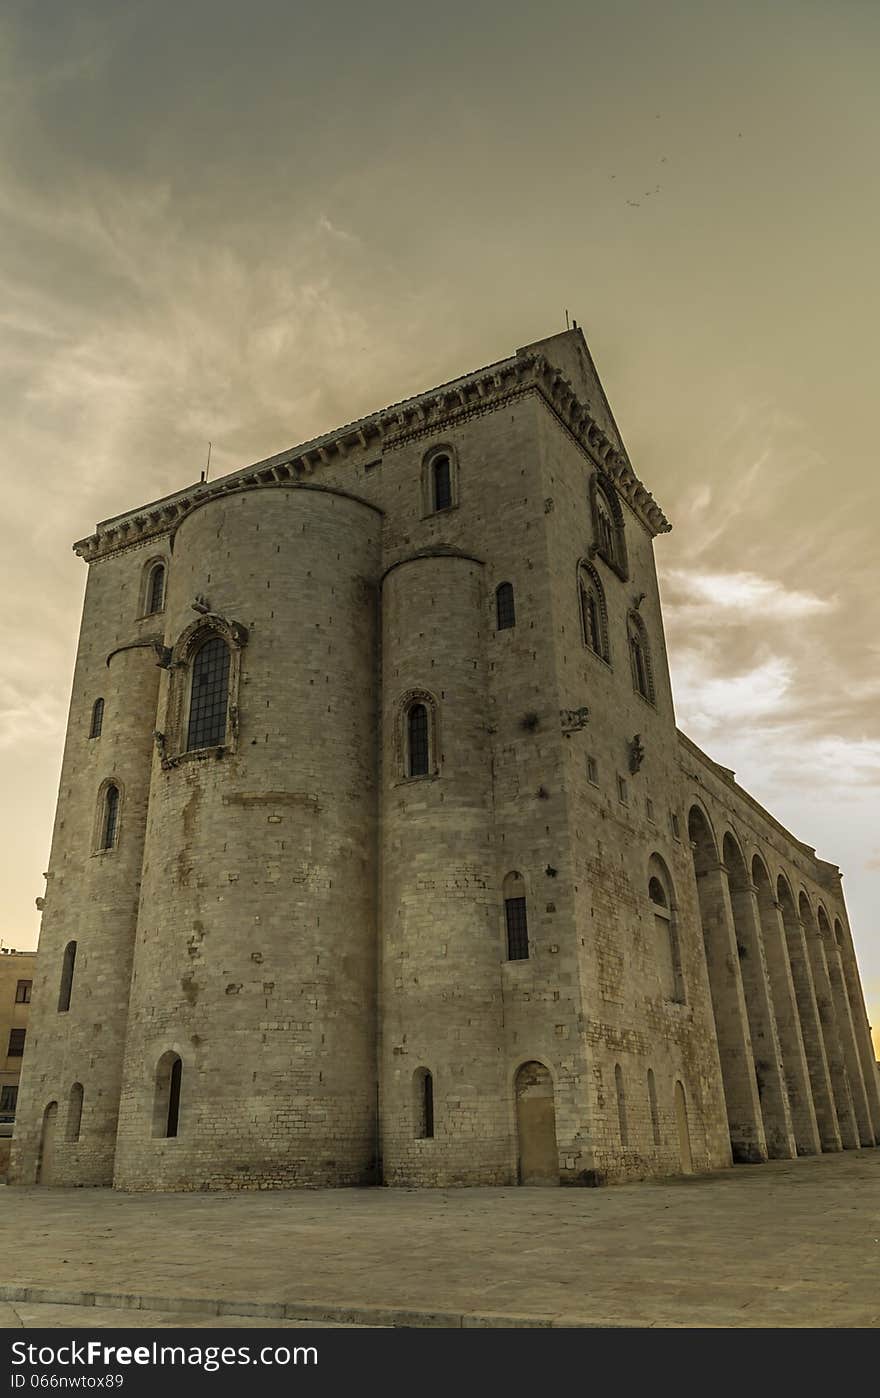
x,y
640,657
608,531
594,618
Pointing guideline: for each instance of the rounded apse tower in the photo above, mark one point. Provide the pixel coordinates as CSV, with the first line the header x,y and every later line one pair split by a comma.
x,y
250,1059
444,1098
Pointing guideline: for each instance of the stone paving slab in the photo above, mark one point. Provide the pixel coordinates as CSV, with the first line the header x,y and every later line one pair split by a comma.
x,y
790,1243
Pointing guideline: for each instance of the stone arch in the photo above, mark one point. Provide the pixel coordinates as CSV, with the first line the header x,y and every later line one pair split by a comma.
x,y
808,1015
845,1029
862,1032
744,1119
538,1152
682,1127
788,1026
667,945
45,1172
840,1087
766,1054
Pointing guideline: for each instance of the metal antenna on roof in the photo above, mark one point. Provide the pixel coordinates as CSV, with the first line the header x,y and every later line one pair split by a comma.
x,y
204,475
567,326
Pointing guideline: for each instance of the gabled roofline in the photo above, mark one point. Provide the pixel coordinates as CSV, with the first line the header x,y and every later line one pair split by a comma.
x,y
480,391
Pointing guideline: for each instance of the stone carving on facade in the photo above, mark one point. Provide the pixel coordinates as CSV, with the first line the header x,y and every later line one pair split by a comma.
x,y
573,720
636,753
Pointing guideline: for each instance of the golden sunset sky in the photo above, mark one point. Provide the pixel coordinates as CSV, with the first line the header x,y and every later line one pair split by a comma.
x,y
252,222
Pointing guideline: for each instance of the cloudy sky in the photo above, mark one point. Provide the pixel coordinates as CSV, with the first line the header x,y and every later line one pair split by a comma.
x,y
252,222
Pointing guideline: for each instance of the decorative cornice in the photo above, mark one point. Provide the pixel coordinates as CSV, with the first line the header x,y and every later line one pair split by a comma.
x,y
475,394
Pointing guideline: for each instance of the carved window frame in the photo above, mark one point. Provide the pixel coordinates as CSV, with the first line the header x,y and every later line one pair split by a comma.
x,y
406,702
428,507
588,580
602,492
636,628
171,741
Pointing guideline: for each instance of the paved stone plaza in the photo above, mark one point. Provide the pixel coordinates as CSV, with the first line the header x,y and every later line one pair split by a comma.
x,y
790,1243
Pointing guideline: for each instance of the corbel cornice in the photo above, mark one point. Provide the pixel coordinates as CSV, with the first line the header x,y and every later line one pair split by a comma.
x,y
482,392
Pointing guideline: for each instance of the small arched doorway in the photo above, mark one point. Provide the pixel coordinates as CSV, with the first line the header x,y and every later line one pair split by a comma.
x,y
536,1126
684,1134
46,1157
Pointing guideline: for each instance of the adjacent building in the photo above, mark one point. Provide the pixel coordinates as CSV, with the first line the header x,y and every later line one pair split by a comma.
x,y
16,980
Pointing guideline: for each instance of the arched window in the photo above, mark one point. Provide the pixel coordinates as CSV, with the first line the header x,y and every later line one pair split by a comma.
x,y
110,817
504,608
74,1111
516,918
418,747
97,719
605,528
640,657
657,893
67,966
441,482
166,1107
667,950
621,1105
423,1104
652,1103
608,532
209,695
155,598
594,618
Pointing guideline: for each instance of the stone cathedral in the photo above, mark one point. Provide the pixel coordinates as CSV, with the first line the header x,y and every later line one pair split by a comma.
x,y
378,856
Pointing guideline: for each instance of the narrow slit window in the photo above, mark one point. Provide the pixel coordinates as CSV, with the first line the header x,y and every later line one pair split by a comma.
x,y
504,607
174,1098
97,719
441,473
110,823
67,966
